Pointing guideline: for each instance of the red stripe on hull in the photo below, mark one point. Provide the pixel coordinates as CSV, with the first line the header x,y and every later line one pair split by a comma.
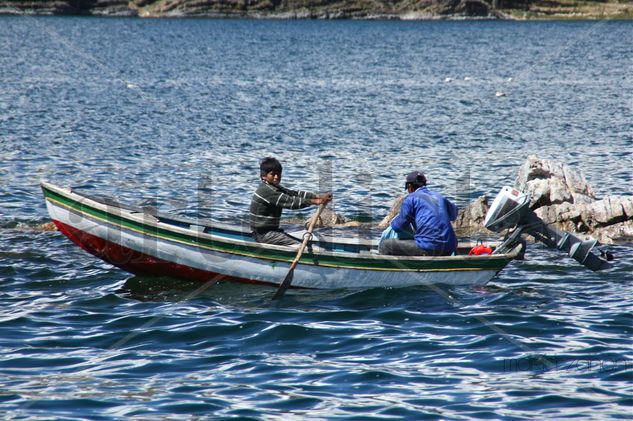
x,y
140,263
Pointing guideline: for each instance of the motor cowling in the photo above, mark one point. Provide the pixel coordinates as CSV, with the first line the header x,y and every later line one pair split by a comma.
x,y
510,210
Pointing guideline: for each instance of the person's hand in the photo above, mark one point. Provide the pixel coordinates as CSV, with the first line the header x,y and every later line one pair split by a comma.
x,y
323,198
326,197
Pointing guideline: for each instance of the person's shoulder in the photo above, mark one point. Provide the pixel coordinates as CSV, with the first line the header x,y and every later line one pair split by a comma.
x,y
424,194
419,192
409,198
426,190
266,186
264,189
439,195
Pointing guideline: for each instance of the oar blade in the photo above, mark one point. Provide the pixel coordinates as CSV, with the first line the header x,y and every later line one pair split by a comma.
x,y
285,284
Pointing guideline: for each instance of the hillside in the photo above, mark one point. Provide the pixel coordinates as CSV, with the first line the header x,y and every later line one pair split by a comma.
x,y
330,9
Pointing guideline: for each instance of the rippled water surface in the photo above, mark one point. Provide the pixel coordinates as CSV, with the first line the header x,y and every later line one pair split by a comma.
x,y
177,113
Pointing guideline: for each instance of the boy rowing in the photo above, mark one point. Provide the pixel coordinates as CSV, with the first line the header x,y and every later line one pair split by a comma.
x,y
271,198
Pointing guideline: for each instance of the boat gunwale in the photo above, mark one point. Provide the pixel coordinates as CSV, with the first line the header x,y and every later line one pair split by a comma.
x,y
150,221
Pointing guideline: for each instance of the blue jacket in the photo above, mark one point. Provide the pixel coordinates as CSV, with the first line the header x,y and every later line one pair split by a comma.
x,y
431,214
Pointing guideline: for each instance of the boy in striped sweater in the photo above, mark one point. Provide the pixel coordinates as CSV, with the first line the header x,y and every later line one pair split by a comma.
x,y
268,201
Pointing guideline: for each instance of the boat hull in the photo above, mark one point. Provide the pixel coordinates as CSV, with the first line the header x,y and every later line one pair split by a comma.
x,y
137,243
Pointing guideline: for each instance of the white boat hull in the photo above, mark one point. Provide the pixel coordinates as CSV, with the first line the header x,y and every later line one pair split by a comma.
x,y
148,252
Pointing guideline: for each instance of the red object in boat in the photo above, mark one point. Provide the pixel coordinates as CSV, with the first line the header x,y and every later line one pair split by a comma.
x,y
480,249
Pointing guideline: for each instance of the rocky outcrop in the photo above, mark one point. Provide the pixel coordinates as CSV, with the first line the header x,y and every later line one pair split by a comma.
x,y
561,197
550,182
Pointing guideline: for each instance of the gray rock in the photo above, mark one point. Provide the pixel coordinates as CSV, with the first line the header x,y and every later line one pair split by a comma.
x,y
559,192
563,197
586,218
291,9
547,213
539,192
627,207
550,182
622,231
329,218
581,191
610,210
471,219
602,211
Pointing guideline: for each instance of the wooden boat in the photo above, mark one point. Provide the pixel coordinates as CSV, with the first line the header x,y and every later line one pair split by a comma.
x,y
152,243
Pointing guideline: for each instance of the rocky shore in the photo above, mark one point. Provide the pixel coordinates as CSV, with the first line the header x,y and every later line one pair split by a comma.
x,y
330,9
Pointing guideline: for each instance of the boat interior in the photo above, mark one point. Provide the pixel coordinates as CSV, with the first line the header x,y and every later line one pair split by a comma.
x,y
242,233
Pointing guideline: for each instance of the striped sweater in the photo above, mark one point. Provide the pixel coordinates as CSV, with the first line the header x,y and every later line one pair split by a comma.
x,y
268,202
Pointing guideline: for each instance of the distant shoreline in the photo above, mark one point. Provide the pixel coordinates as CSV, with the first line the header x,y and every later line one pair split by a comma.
x,y
291,16
522,10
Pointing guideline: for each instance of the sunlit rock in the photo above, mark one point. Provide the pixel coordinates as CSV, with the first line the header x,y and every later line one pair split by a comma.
x,y
563,197
627,207
470,220
49,226
622,231
329,218
393,212
549,182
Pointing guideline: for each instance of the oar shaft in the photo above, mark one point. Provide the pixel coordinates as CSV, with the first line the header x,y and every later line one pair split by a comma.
x,y
285,284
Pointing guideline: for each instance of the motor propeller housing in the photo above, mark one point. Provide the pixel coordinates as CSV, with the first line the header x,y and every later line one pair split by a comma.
x,y
510,210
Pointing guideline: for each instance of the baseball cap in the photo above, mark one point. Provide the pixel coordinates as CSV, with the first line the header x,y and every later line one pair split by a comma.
x,y
415,177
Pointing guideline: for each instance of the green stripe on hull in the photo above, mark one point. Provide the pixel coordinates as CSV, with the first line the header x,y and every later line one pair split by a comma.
x,y
256,251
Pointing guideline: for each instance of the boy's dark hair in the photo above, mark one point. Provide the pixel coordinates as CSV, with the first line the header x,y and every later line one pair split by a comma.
x,y
269,164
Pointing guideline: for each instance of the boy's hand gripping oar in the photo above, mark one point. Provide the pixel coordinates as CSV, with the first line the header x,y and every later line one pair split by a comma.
x,y
285,284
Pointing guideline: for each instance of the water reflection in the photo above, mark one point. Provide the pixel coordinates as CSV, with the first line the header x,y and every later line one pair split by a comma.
x,y
427,299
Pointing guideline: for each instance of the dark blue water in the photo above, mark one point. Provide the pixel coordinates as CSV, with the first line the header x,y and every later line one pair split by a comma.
x,y
177,113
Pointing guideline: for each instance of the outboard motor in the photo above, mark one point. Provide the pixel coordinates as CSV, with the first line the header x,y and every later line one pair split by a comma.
x,y
510,209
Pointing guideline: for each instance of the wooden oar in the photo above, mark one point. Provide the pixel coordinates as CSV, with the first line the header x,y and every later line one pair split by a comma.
x,y
285,284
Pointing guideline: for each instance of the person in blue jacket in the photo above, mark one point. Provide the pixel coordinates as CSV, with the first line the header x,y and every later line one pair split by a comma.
x,y
429,214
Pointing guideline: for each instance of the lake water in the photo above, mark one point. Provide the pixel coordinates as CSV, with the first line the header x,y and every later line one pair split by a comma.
x,y
177,113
